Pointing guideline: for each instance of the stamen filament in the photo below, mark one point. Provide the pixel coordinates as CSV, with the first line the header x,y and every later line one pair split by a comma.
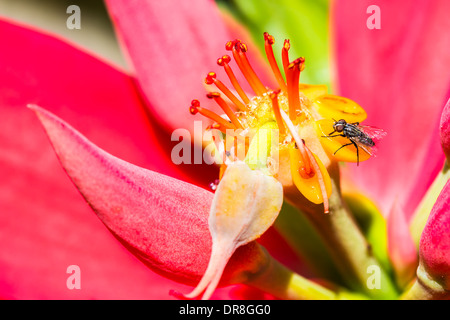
x,y
211,78
246,71
195,107
269,41
285,55
223,62
298,140
276,111
216,126
226,108
293,80
259,85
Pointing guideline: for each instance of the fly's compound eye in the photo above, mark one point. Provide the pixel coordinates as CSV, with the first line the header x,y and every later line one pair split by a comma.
x,y
339,127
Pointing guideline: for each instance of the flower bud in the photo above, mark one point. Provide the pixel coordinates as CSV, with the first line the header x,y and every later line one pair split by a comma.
x,y
445,130
435,240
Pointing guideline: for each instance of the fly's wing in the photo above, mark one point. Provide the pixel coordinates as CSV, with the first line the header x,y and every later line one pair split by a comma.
x,y
370,150
376,134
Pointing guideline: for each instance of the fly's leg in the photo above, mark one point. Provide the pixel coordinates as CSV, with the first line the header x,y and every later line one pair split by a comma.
x,y
349,144
345,145
336,135
357,152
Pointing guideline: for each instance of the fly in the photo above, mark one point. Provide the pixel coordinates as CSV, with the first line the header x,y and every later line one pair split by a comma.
x,y
359,136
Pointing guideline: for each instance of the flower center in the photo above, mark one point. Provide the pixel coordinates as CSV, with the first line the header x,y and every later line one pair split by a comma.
x,y
295,108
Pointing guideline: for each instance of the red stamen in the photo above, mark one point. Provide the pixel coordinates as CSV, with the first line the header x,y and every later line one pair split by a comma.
x,y
230,44
226,108
242,52
269,41
276,111
238,50
285,55
293,80
195,108
224,63
211,78
216,126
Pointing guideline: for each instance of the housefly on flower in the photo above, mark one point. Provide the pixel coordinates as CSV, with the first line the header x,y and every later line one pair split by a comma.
x,y
363,137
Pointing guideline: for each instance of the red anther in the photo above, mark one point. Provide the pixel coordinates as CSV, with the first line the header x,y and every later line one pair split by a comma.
x,y
269,38
285,55
231,44
210,78
299,63
302,63
212,95
195,103
223,60
193,110
243,47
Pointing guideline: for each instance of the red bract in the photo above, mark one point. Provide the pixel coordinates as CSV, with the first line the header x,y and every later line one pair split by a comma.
x,y
54,224
46,226
162,220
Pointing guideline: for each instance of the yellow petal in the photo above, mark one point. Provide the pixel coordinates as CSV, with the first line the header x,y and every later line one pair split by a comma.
x,y
335,107
331,144
313,91
309,186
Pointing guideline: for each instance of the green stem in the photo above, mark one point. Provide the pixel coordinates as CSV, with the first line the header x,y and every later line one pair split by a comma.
x,y
347,245
425,288
285,284
423,210
302,237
